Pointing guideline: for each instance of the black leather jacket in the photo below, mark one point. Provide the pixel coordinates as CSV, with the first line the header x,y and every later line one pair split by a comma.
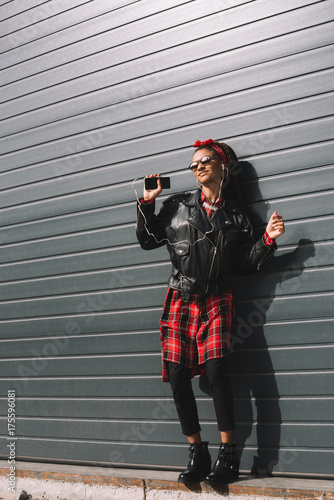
x,y
202,251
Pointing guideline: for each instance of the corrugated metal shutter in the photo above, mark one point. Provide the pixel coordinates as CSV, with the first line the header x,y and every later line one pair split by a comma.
x,y
97,93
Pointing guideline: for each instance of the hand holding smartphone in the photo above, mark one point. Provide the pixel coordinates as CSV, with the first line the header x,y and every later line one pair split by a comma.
x,y
152,188
152,183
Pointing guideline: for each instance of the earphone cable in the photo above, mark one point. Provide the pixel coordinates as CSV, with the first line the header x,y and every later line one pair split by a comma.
x,y
165,239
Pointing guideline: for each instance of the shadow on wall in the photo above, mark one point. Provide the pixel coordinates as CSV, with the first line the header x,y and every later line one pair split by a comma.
x,y
251,364
258,413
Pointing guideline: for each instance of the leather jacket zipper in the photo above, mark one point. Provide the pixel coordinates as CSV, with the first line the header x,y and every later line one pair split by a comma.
x,y
263,259
214,253
210,272
213,259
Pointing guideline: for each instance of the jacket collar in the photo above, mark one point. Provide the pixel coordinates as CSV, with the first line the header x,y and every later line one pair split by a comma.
x,y
199,219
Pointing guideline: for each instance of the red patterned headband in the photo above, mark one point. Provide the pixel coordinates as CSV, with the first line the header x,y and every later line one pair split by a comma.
x,y
209,142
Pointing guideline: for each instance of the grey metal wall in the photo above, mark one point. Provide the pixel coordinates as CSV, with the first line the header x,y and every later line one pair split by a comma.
x,y
97,93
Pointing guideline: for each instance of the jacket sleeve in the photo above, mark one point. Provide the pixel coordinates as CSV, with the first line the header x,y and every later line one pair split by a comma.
x,y
249,254
151,232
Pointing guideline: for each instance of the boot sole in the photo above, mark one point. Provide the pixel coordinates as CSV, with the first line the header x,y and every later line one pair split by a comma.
x,y
190,482
229,480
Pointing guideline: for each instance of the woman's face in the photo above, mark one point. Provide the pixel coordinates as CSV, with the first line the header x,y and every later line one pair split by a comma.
x,y
211,172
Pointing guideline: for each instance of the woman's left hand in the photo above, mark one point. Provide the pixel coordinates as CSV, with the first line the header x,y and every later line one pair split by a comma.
x,y
275,226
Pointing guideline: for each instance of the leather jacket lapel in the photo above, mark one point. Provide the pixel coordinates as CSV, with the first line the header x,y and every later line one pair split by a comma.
x,y
220,219
199,219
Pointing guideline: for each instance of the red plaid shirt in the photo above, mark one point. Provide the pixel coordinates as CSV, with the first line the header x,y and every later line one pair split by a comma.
x,y
194,331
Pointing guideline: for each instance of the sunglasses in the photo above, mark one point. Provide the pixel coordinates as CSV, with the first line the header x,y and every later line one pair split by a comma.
x,y
204,161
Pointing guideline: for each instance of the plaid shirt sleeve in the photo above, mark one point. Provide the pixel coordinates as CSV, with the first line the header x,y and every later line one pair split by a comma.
x,y
147,202
268,241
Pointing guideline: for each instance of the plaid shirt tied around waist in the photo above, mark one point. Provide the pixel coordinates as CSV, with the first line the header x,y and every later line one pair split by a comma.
x,y
194,331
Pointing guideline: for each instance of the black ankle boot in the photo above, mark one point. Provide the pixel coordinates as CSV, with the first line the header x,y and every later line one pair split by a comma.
x,y
199,465
226,467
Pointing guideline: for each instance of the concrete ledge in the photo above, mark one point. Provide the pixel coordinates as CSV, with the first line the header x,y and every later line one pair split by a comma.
x,y
68,482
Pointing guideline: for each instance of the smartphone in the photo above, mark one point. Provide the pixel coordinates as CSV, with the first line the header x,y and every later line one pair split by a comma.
x,y
152,183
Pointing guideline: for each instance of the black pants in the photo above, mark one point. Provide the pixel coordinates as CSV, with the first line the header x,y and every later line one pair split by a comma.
x,y
180,380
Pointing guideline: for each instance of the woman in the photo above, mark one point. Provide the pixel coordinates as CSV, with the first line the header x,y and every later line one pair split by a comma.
x,y
207,233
